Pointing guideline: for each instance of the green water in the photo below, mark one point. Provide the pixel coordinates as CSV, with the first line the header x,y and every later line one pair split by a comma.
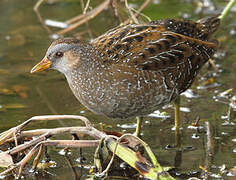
x,y
23,42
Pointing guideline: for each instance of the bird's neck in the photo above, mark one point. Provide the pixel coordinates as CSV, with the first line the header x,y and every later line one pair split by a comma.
x,y
87,66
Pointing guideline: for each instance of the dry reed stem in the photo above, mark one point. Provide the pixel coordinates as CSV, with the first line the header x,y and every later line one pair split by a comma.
x,y
31,147
130,10
39,2
212,63
89,15
37,158
84,12
37,143
138,12
86,16
55,143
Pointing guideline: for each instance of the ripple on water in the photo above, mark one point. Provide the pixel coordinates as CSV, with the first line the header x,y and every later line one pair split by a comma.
x,y
127,126
190,94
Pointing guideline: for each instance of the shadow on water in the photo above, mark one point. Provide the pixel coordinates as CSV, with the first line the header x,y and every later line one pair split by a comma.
x,y
209,147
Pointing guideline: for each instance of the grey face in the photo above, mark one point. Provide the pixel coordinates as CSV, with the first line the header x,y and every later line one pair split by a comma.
x,y
56,54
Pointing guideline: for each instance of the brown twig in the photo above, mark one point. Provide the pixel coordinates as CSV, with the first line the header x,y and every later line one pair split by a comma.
x,y
79,35
89,15
56,143
115,11
138,12
84,12
86,16
76,18
55,131
60,117
130,10
86,7
36,159
10,133
31,143
34,145
36,6
40,141
212,63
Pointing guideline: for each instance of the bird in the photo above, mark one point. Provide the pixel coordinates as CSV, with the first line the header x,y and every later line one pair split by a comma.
x,y
134,69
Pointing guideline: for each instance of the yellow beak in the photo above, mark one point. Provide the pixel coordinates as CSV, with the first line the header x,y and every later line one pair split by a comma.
x,y
44,64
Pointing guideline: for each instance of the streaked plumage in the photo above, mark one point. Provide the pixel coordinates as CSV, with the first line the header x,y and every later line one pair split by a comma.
x,y
132,70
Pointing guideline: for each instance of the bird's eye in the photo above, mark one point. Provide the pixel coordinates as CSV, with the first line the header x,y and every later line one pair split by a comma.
x,y
59,54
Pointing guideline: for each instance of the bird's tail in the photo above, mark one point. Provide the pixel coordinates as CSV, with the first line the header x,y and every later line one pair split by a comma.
x,y
207,26
202,29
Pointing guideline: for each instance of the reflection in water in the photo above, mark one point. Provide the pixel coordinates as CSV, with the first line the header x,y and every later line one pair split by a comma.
x,y
209,154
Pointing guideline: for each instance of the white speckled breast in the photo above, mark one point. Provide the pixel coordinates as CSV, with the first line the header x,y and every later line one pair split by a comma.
x,y
134,69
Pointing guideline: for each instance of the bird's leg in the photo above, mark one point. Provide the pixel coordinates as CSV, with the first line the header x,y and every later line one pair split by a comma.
x,y
177,122
138,127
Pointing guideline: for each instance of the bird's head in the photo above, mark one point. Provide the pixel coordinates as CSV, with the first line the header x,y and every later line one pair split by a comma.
x,y
62,55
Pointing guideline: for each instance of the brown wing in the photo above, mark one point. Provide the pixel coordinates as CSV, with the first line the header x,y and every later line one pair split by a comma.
x,y
119,43
151,48
182,61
